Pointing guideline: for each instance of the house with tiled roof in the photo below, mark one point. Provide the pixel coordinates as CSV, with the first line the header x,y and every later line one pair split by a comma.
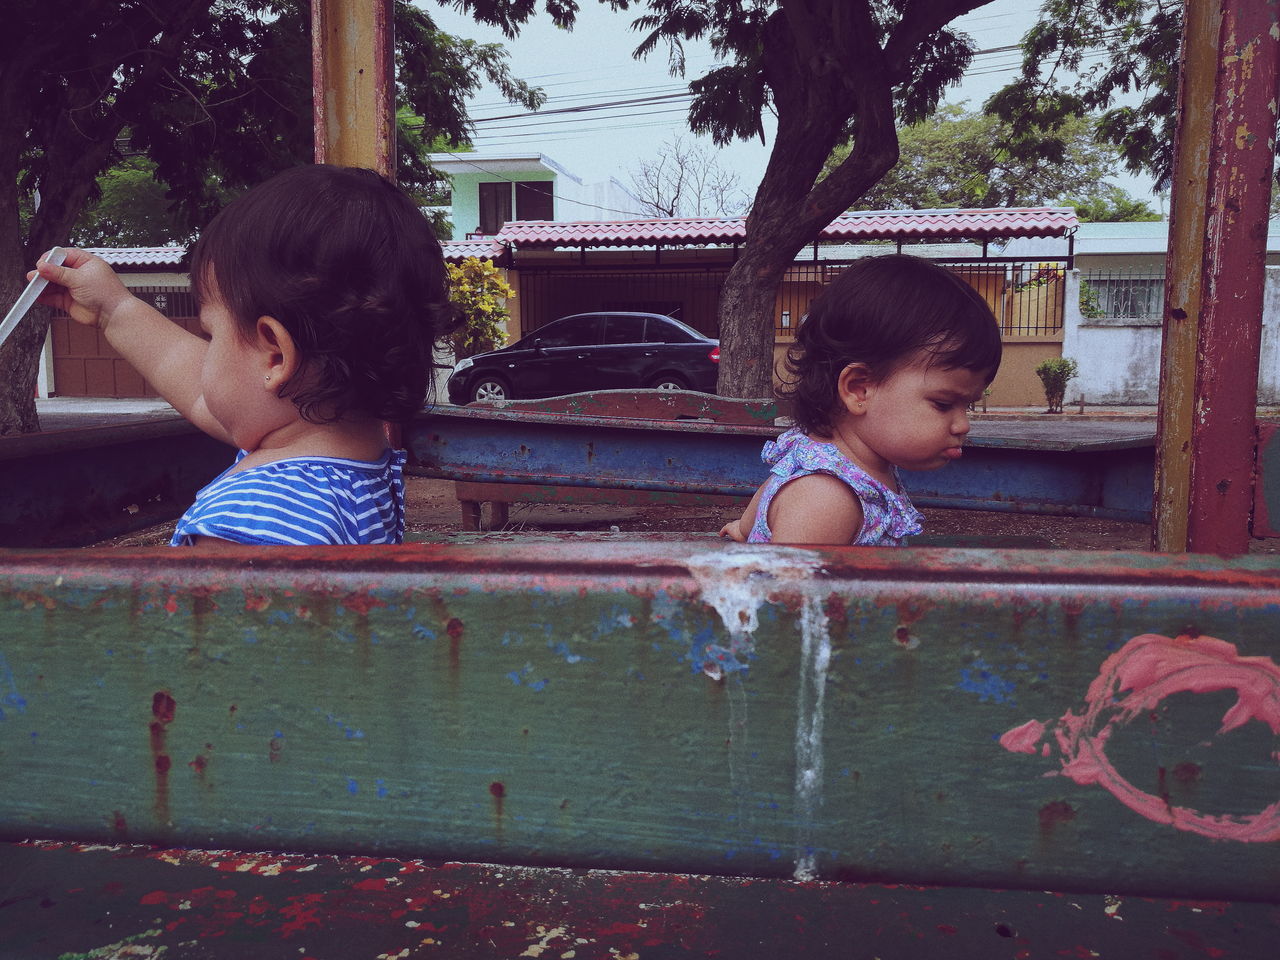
x,y
677,266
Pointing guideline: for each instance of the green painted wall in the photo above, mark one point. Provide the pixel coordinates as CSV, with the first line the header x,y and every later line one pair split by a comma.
x,y
466,197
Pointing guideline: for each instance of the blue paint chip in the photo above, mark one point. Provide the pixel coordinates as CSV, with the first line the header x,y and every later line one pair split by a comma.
x,y
381,788
985,683
352,786
421,632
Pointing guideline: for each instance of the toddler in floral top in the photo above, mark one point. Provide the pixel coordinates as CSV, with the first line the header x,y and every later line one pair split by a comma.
x,y
881,376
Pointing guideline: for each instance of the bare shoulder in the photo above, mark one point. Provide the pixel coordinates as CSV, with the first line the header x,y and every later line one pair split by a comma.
x,y
816,508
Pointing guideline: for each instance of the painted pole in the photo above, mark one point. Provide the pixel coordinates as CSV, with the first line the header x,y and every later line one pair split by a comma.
x,y
352,71
1224,151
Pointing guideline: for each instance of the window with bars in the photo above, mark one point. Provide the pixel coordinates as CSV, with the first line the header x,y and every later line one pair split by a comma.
x,y
1122,296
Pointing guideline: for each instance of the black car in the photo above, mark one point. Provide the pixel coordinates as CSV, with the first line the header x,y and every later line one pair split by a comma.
x,y
591,351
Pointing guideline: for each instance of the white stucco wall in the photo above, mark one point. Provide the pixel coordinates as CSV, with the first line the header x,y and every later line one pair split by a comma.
x,y
1120,359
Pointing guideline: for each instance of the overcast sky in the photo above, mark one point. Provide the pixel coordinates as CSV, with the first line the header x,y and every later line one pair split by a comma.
x,y
592,64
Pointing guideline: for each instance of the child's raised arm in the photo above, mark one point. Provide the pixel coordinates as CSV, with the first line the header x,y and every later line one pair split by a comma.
x,y
166,355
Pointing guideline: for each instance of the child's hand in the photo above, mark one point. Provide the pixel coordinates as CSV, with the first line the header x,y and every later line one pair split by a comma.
x,y
733,531
85,286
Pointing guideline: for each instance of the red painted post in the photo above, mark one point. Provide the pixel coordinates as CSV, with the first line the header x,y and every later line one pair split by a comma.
x,y
1225,150
353,88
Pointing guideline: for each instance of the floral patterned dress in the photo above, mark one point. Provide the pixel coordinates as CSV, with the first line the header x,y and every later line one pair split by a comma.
x,y
887,515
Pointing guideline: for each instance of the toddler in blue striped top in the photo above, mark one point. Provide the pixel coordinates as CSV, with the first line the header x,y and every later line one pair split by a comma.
x,y
322,292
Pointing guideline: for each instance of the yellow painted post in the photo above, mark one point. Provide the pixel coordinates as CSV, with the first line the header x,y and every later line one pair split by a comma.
x,y
1224,152
353,89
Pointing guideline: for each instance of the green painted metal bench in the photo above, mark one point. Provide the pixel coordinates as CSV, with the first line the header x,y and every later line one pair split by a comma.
x,y
659,749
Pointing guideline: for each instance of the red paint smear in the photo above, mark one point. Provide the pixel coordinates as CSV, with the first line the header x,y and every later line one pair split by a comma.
x,y
497,789
163,707
361,603
119,826
454,628
303,912
1193,939
163,710
1054,813
1131,683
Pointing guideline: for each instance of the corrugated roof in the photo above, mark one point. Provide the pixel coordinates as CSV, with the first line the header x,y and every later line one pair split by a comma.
x,y
864,225
141,256
486,249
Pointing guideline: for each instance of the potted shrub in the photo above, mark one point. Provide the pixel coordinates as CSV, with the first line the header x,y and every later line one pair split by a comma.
x,y
1055,373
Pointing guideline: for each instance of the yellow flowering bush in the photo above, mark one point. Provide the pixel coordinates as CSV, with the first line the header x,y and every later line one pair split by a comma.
x,y
477,288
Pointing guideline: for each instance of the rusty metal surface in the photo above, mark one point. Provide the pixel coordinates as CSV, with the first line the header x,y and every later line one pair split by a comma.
x,y
1095,722
67,900
648,405
1224,156
72,487
1087,469
353,95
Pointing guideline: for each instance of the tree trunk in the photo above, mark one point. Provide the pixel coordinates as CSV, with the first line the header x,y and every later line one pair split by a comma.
x,y
824,68
74,124
17,371
746,323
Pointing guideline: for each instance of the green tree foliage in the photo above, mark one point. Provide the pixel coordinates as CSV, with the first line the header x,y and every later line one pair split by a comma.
x,y
216,93
479,291
1063,78
1110,204
831,71
132,210
960,158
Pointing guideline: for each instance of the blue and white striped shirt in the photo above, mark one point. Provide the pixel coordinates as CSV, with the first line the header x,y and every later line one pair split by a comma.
x,y
305,501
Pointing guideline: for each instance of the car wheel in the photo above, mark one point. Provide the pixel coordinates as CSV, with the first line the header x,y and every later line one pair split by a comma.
x,y
488,389
668,381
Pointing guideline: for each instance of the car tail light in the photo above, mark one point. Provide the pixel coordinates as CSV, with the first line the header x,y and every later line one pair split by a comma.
x,y
714,355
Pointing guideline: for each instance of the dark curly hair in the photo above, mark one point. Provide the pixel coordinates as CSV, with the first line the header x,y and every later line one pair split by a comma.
x,y
883,311
343,259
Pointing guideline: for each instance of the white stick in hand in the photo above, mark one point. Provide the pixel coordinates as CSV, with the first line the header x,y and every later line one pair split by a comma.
x,y
28,297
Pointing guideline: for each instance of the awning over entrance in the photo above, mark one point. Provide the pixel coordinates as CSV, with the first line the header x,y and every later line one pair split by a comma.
x,y
902,225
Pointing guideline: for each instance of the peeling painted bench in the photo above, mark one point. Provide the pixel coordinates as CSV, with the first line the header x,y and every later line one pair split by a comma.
x,y
655,410
612,447
652,750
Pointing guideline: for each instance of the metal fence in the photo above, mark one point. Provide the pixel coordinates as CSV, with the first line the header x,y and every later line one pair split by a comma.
x,y
1122,295
1026,296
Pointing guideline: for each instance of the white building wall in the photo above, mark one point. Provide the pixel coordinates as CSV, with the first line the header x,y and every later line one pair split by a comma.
x,y
1119,359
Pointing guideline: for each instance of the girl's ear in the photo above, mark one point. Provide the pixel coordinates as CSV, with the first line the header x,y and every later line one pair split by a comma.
x,y
280,354
854,386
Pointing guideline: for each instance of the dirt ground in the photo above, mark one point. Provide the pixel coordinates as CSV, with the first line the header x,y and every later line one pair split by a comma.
x,y
432,508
